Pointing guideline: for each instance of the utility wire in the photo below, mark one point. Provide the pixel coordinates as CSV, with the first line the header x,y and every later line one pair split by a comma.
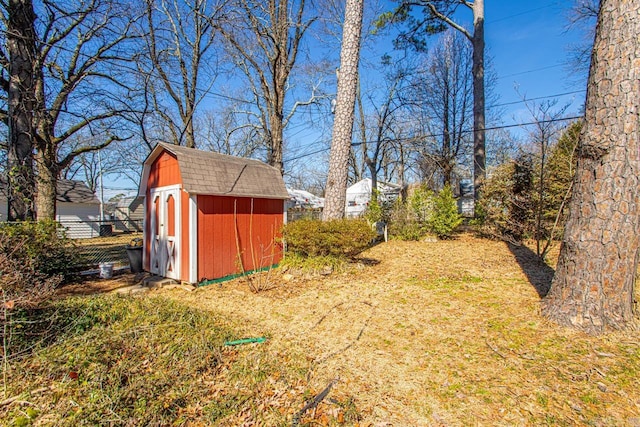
x,y
413,138
505,18
519,73
536,98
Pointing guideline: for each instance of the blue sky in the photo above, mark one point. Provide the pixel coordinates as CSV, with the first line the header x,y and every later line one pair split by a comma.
x,y
527,42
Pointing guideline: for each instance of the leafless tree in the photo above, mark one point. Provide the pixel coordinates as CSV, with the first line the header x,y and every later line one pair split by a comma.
x,y
80,84
441,97
378,130
582,18
88,167
77,84
17,57
439,15
179,65
225,131
543,136
264,40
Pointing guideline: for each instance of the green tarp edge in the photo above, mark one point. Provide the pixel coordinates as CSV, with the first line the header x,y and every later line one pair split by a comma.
x,y
234,276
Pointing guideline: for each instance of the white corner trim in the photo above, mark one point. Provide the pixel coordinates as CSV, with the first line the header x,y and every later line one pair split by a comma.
x,y
193,238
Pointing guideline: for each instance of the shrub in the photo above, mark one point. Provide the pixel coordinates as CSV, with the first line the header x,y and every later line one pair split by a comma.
x,y
423,213
421,204
445,217
402,223
21,283
338,238
37,248
374,212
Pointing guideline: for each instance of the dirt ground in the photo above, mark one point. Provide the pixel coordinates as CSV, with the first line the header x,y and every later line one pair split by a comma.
x,y
437,333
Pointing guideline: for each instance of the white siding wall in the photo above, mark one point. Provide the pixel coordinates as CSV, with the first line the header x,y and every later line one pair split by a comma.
x,y
80,219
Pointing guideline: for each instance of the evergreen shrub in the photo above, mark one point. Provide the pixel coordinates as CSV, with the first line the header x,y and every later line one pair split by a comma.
x,y
338,238
445,217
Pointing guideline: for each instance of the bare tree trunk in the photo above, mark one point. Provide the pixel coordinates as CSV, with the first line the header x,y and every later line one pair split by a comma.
x,y
46,184
593,286
21,47
336,188
479,152
276,133
265,37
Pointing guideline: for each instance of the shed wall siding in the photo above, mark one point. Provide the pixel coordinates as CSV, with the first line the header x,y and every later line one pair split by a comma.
x,y
164,171
228,226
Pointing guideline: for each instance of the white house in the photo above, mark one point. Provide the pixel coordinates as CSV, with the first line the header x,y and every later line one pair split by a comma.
x,y
359,195
77,208
301,199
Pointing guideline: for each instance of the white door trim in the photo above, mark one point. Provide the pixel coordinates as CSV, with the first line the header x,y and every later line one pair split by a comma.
x,y
193,238
165,250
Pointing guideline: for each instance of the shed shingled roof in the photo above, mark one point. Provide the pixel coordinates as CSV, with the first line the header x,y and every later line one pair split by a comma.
x,y
206,172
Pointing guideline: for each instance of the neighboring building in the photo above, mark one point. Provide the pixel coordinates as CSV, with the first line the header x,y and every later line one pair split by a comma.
x,y
359,195
77,208
303,205
209,215
466,201
300,199
128,214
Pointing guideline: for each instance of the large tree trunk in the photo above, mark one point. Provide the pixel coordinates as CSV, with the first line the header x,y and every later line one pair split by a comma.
x,y
46,182
479,153
276,136
21,47
336,188
593,286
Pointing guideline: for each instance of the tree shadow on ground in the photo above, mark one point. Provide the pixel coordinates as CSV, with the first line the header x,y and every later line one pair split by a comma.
x,y
537,271
369,262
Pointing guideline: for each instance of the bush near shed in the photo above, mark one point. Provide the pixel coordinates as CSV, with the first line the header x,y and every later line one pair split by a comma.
x,y
35,257
338,238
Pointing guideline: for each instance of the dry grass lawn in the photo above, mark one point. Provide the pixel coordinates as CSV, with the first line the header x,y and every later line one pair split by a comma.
x,y
439,333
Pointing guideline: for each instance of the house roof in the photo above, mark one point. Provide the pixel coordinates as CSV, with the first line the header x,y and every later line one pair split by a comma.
x,y
206,172
67,191
364,187
126,202
75,192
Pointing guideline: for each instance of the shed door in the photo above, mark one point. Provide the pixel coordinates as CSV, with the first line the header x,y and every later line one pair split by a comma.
x,y
165,232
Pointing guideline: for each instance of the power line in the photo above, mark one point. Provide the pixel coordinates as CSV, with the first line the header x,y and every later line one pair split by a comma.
x,y
533,70
358,143
537,98
400,122
504,18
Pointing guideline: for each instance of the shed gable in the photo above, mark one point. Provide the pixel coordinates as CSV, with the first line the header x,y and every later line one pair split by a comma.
x,y
164,171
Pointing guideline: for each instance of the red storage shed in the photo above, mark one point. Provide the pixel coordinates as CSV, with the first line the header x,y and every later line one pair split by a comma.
x,y
209,215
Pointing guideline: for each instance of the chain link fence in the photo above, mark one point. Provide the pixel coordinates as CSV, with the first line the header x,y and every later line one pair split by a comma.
x,y
297,214
97,242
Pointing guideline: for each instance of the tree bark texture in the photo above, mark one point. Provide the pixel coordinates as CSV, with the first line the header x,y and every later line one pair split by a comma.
x,y
479,151
336,187
593,287
47,183
21,47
